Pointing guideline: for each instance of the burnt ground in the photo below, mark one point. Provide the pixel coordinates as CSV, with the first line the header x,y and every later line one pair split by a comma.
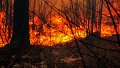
x,y
93,52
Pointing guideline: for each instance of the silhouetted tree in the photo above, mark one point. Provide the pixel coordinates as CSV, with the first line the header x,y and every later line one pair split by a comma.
x,y
0,5
20,37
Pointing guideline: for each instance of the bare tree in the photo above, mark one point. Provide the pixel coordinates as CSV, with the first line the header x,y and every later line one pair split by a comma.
x,y
0,5
20,36
100,17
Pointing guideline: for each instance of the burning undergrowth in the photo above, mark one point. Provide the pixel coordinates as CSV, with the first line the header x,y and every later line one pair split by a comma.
x,y
57,30
65,25
67,39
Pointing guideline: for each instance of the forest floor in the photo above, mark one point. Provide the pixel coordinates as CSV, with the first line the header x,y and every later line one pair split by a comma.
x,y
95,53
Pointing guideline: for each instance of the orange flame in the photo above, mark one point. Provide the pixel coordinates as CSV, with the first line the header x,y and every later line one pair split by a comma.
x,y
56,31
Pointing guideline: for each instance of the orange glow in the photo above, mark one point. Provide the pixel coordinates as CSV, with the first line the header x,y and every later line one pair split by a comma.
x,y
58,31
3,34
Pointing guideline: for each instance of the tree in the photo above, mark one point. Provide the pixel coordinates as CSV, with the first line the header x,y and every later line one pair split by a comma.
x,y
0,5
20,37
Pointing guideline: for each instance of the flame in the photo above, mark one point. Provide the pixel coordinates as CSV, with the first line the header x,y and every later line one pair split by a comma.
x,y
3,30
58,31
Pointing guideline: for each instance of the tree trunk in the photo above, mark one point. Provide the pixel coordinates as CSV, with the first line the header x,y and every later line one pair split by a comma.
x,y
93,7
100,17
0,5
20,37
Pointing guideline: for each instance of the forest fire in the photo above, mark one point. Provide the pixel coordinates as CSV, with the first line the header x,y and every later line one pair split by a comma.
x,y
57,33
57,30
60,33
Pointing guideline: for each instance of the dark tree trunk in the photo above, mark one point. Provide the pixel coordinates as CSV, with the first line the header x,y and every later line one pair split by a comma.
x,y
100,17
93,7
20,37
0,5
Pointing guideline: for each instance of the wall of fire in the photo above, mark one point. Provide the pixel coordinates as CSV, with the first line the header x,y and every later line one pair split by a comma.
x,y
55,22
